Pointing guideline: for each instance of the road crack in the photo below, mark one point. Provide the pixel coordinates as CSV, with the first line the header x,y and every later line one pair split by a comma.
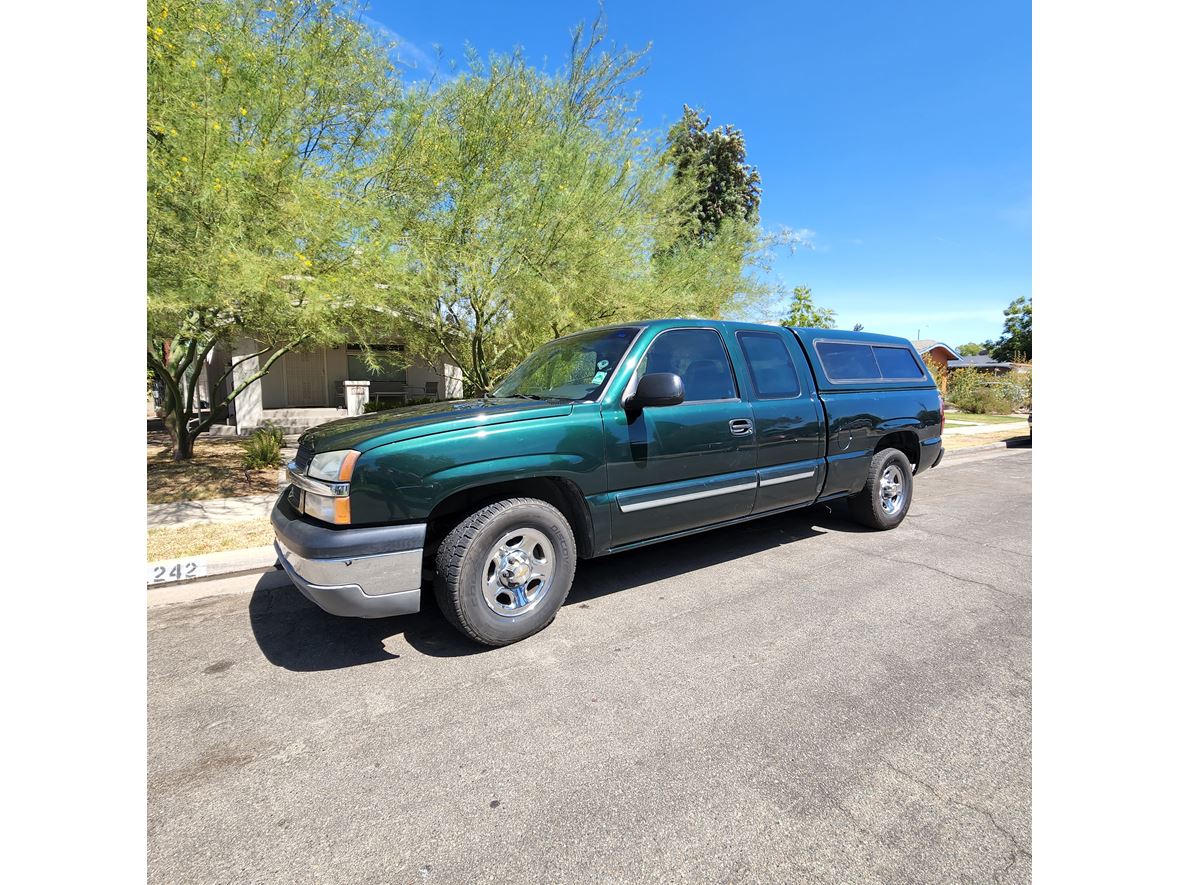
x,y
957,577
1018,850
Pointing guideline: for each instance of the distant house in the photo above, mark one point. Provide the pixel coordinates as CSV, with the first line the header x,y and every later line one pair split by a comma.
x,y
938,352
942,354
305,388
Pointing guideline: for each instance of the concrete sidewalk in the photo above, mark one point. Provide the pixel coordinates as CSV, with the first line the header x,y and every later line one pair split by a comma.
x,y
213,510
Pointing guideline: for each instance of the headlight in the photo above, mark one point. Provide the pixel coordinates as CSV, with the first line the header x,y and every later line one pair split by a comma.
x,y
324,489
333,466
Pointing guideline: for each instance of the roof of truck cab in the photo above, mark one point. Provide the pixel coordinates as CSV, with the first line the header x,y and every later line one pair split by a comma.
x,y
807,334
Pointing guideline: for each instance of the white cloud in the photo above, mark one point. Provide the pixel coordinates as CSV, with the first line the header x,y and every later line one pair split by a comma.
x,y
404,51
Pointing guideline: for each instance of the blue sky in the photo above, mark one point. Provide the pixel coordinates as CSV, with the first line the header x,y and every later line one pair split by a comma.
x,y
897,135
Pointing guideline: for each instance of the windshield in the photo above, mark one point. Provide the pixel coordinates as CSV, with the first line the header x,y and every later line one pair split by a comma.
x,y
573,368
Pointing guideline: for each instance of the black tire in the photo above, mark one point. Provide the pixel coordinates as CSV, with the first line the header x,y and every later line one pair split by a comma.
x,y
468,592
871,506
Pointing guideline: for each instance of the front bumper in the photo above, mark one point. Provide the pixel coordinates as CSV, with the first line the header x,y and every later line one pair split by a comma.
x,y
368,572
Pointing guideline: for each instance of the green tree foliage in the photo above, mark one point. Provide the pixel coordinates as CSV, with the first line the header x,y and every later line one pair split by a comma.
x,y
262,120
971,349
805,314
1016,342
711,166
299,195
535,208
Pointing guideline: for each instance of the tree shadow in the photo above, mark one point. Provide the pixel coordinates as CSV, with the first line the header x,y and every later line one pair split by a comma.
x,y
295,634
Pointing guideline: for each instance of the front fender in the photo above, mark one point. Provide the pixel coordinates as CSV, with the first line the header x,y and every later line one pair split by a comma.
x,y
404,481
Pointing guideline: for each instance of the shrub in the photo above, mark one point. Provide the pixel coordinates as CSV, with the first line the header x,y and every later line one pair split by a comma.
x,y
386,405
981,393
263,448
937,370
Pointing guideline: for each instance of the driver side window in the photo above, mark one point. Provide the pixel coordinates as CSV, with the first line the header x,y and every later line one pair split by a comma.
x,y
699,357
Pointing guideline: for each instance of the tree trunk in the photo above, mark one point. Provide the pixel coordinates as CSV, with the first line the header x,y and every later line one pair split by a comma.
x,y
182,440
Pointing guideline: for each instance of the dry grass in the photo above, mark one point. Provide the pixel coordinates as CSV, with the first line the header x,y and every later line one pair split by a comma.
x,y
950,442
174,542
969,418
215,471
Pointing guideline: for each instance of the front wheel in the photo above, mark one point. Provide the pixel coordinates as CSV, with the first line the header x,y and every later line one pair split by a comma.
x,y
885,499
503,572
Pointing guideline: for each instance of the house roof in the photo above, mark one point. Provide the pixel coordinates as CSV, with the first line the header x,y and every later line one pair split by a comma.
x,y
925,345
981,361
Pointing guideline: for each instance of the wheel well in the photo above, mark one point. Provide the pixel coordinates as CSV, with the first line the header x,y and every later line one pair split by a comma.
x,y
905,441
561,493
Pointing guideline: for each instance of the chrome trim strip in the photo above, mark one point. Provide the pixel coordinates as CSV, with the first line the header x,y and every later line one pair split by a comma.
x,y
315,486
791,478
679,499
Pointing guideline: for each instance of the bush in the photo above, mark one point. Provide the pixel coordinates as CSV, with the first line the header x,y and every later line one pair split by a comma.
x,y
263,448
386,405
981,394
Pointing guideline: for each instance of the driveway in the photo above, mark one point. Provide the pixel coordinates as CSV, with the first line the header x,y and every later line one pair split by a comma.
x,y
794,699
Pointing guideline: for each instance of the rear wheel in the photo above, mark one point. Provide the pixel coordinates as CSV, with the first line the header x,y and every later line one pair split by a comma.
x,y
885,500
503,572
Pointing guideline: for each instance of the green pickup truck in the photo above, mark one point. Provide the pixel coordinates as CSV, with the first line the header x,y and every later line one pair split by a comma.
x,y
600,442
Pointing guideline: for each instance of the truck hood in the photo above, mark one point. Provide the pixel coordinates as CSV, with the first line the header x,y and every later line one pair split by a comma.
x,y
379,428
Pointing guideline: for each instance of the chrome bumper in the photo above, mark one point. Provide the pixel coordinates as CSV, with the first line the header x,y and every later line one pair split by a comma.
x,y
376,586
363,572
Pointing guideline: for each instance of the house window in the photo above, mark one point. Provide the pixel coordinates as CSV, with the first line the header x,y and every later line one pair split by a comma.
x,y
391,361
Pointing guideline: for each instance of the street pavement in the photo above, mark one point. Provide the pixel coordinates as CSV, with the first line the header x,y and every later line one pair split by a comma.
x,y
794,699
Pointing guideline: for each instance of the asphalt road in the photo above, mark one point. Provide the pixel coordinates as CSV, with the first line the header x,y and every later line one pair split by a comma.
x,y
795,699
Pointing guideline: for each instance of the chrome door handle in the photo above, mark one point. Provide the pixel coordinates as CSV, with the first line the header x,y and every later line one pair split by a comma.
x,y
741,426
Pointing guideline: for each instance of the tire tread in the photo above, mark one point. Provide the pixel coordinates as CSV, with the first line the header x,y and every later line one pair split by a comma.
x,y
449,559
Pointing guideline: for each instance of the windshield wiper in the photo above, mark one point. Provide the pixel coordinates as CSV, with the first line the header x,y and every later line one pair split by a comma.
x,y
527,396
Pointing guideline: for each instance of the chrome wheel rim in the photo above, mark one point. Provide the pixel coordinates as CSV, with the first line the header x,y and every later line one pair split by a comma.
x,y
892,490
518,572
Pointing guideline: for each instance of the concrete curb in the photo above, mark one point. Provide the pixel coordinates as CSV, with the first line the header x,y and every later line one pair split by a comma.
x,y
229,585
204,567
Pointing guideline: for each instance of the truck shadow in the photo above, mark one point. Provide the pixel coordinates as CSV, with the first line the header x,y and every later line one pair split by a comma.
x,y
296,635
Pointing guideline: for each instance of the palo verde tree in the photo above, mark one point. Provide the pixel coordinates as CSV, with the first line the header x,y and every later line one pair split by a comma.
x,y
534,209
262,120
805,314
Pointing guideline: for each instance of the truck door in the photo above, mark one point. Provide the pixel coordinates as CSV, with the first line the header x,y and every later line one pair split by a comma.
x,y
674,468
788,419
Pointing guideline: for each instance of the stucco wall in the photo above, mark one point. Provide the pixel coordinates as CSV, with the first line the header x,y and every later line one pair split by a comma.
x,y
273,386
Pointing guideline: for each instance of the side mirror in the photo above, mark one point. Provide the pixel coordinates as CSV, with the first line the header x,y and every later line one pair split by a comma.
x,y
657,389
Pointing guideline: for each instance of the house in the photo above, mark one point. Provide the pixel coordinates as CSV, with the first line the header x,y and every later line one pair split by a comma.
x,y
307,387
937,352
